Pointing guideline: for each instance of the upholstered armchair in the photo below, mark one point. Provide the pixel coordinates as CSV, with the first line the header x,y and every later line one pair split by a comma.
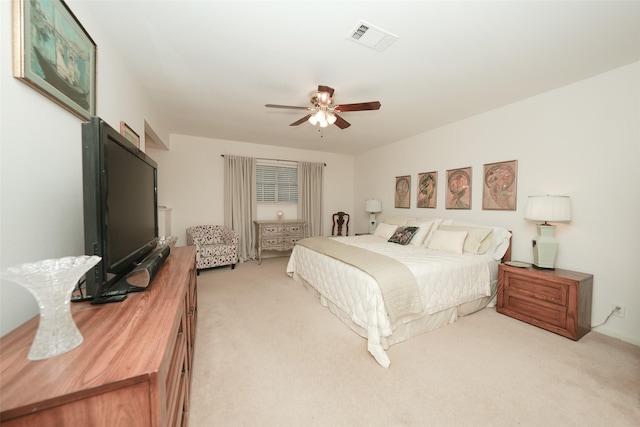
x,y
216,245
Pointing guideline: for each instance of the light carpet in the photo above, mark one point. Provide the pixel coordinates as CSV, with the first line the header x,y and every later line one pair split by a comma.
x,y
268,354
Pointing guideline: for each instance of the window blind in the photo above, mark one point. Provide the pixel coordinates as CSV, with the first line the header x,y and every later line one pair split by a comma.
x,y
276,184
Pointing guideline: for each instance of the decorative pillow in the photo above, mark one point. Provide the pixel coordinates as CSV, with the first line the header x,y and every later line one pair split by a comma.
x,y
448,241
403,235
385,230
423,231
435,223
478,239
398,220
500,239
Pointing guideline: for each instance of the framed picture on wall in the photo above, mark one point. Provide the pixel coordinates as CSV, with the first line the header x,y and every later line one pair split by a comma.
x,y
499,189
403,191
458,189
130,134
54,54
427,186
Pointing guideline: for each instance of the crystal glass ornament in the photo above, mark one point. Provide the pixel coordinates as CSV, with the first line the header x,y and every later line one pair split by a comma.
x,y
166,241
51,282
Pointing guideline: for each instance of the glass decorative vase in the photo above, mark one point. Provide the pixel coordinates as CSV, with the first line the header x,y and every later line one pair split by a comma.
x,y
51,282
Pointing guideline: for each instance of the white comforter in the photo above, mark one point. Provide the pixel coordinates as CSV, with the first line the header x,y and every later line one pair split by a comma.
x,y
445,280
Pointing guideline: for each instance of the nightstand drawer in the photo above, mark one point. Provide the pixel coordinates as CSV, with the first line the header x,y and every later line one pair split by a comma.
x,y
530,308
531,288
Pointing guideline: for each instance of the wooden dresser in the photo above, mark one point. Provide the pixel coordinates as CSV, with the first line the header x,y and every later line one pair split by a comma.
x,y
279,235
556,300
132,369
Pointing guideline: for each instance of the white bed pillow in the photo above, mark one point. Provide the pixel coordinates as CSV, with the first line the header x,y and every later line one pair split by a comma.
x,y
435,223
478,240
424,227
448,241
500,239
398,220
385,230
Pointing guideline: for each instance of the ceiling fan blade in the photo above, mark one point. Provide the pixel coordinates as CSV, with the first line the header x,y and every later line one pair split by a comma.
x,y
322,88
361,106
301,121
341,123
287,106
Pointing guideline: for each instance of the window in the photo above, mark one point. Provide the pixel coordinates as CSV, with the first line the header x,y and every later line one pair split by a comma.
x,y
277,183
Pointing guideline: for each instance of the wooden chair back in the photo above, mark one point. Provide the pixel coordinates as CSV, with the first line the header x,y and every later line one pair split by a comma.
x,y
340,221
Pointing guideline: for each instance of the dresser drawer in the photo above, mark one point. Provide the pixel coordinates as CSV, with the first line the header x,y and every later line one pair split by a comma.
x,y
294,239
177,368
288,241
293,229
266,230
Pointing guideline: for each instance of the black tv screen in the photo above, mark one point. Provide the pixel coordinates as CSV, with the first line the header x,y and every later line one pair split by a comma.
x,y
120,204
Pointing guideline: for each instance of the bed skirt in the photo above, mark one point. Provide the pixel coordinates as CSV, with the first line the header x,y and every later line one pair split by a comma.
x,y
404,331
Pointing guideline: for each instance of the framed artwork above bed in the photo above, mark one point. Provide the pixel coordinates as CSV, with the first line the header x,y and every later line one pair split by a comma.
x,y
427,186
499,188
403,191
458,188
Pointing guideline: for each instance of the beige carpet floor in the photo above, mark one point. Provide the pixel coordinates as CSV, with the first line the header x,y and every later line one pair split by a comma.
x,y
268,354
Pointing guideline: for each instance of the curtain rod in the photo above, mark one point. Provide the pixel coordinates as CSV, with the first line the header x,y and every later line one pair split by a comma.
x,y
275,160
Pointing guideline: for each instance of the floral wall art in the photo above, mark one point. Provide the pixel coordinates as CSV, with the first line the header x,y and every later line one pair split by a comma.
x,y
500,185
458,188
403,191
427,186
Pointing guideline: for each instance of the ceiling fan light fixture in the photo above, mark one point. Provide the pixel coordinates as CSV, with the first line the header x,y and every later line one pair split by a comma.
x,y
322,112
318,118
325,98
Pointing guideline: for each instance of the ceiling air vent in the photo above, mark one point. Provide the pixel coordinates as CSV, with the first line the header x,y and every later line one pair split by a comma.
x,y
372,36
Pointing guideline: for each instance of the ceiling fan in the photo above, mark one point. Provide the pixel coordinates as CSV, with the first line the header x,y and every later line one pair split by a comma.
x,y
323,112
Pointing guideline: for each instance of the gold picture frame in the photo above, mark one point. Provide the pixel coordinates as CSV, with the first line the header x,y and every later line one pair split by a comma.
x,y
458,188
130,134
427,189
500,186
54,54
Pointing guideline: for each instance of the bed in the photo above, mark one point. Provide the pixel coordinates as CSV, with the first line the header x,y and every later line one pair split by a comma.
x,y
410,276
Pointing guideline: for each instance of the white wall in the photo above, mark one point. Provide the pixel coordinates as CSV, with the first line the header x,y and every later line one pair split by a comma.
x,y
191,179
582,140
41,165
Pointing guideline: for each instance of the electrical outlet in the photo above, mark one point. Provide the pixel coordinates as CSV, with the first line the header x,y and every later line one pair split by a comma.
x,y
618,310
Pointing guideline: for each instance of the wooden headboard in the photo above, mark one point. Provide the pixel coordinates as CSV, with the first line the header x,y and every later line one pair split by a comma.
x,y
507,255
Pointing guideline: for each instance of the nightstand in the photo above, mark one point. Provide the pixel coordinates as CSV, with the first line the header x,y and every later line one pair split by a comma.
x,y
556,300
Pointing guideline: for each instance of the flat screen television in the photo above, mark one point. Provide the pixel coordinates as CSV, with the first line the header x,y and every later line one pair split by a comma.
x,y
120,197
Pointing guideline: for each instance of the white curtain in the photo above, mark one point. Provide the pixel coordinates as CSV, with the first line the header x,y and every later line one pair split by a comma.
x,y
240,206
310,187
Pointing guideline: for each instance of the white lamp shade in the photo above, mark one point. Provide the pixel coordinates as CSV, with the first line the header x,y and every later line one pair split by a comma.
x,y
373,206
548,208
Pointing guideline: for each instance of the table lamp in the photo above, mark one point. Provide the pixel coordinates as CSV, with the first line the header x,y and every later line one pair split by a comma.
x,y
372,206
547,208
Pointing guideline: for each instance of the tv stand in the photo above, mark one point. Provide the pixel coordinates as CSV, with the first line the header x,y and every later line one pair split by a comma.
x,y
133,368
